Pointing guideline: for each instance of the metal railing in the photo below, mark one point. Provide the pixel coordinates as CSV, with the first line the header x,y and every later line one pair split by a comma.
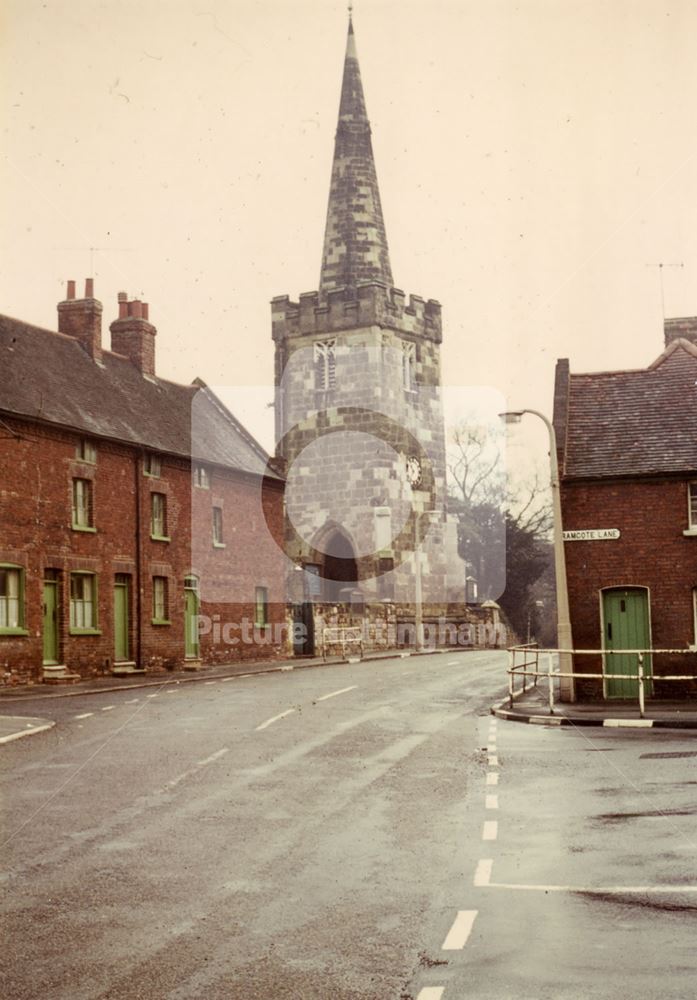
x,y
529,661
342,636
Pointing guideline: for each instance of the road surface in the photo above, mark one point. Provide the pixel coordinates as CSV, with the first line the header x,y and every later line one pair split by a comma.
x,y
356,832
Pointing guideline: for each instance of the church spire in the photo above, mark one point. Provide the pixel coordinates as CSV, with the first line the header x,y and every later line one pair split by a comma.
x,y
355,243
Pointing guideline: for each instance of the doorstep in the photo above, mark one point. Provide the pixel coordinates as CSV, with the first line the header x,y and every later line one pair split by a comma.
x,y
58,673
125,669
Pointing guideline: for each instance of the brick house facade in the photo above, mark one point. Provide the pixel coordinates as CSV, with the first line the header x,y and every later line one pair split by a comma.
x,y
139,521
627,449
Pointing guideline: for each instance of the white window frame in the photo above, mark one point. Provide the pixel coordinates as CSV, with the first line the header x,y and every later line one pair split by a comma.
x,y
324,357
158,516
86,451
82,503
202,477
152,465
218,535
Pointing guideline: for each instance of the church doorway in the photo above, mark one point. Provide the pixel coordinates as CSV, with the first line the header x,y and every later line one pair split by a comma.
x,y
339,571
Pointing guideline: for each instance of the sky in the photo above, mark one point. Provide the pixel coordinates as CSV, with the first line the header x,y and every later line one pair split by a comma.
x,y
536,161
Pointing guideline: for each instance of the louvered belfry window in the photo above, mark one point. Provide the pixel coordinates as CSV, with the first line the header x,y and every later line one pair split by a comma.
x,y
325,364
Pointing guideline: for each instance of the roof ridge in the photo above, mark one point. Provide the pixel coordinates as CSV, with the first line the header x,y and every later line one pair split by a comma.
x,y
229,415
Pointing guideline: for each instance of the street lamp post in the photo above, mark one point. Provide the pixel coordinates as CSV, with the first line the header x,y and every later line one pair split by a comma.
x,y
564,638
428,516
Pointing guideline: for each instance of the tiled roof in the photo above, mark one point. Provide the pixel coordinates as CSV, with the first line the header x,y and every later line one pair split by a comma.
x,y
634,422
49,377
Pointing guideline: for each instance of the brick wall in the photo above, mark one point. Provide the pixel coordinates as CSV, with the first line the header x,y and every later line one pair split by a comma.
x,y
37,469
652,552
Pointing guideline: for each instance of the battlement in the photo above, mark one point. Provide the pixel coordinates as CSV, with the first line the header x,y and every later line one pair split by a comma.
x,y
372,304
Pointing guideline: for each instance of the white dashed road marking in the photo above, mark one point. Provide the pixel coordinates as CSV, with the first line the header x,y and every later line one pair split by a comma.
x,y
482,875
273,719
492,778
85,715
492,802
214,756
460,931
335,693
431,993
490,830
493,761
151,696
132,701
107,708
210,682
453,663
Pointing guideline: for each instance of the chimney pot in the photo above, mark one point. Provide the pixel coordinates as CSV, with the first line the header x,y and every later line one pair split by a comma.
x,y
122,297
146,311
89,288
71,290
137,309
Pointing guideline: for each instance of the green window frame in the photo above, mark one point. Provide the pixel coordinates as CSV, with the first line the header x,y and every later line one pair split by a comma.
x,y
218,528
82,505
12,580
158,517
160,600
83,604
261,607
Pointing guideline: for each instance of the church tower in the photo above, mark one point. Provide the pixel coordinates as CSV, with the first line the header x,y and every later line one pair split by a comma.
x,y
359,419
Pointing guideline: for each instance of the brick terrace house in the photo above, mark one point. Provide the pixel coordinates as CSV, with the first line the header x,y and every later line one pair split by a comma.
x,y
129,507
627,448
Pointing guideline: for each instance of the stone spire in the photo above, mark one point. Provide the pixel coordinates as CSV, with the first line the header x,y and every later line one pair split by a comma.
x,y
355,243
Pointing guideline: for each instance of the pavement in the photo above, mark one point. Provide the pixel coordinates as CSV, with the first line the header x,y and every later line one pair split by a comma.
x,y
533,707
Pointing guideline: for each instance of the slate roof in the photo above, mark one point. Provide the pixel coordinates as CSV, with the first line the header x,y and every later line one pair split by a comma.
x,y
48,376
633,423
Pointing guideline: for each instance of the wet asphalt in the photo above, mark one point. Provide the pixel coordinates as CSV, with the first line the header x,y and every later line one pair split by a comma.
x,y
355,832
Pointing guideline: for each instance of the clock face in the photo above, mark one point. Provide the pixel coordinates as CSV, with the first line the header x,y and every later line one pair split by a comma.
x,y
413,471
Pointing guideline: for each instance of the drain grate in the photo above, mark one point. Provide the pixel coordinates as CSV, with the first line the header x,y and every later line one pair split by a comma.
x,y
661,756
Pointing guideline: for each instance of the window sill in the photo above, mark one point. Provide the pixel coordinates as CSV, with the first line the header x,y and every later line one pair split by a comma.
x,y
84,527
13,631
219,545
160,538
85,631
160,621
690,532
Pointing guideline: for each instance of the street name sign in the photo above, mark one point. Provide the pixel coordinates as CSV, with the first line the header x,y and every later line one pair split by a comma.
x,y
591,534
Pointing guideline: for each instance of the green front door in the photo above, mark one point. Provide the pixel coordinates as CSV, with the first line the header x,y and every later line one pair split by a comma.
x,y
625,626
50,621
121,643
191,605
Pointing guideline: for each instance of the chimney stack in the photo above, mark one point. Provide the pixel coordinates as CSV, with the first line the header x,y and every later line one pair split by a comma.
x,y
133,336
82,319
684,328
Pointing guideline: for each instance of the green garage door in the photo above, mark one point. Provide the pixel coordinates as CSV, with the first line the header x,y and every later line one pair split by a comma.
x,y
625,626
